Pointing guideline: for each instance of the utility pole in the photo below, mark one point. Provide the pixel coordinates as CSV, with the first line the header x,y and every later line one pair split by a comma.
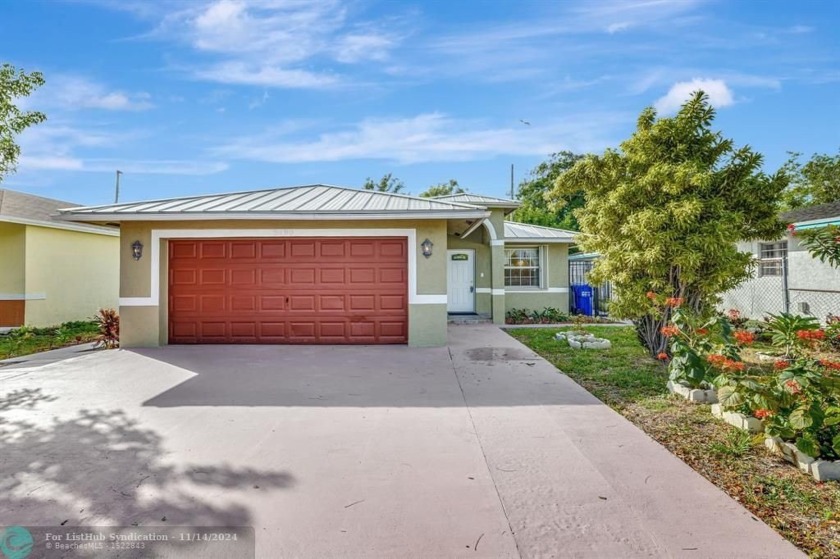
x,y
117,194
512,193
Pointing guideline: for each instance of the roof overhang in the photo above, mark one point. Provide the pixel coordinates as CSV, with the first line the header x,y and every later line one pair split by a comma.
x,y
117,217
537,241
64,226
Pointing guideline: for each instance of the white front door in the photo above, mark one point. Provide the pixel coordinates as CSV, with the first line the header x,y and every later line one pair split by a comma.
x,y
460,284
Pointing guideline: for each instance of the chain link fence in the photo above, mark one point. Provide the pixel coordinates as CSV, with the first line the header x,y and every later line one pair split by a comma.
x,y
601,295
769,291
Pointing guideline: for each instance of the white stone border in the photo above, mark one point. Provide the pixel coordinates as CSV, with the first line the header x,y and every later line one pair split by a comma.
x,y
696,395
822,470
157,235
739,420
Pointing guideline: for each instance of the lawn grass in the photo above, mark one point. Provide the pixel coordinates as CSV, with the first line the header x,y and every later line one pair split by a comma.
x,y
25,341
804,511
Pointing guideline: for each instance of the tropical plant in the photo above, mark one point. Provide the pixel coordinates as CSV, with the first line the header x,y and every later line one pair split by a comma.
x,y
109,328
822,243
697,345
785,332
443,189
666,210
817,181
388,183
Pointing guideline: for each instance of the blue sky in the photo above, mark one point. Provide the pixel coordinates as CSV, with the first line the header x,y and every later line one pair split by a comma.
x,y
199,97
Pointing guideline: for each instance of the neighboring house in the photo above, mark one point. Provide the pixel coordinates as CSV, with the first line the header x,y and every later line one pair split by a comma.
x,y
325,264
53,271
786,277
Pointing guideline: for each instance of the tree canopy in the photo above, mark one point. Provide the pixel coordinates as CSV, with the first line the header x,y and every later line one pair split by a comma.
x,y
15,84
443,189
665,211
388,183
817,181
532,191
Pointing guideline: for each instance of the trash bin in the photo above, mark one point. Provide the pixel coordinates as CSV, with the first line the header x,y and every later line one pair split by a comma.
x,y
582,300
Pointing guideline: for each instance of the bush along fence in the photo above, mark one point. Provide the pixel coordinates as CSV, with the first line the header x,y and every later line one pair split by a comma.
x,y
792,394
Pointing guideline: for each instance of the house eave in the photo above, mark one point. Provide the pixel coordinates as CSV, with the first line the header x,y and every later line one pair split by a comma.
x,y
116,217
76,227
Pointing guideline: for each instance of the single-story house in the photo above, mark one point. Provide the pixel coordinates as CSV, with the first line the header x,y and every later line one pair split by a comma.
x,y
324,264
786,276
52,270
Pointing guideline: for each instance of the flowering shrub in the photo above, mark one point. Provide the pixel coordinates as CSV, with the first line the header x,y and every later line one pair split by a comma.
x,y
792,333
699,346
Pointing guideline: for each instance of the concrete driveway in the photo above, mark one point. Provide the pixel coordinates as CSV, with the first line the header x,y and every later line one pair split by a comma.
x,y
477,450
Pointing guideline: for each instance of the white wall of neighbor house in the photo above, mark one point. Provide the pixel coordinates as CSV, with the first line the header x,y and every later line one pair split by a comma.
x,y
813,286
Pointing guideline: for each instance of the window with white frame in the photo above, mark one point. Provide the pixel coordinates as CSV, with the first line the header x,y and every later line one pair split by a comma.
x,y
770,258
522,267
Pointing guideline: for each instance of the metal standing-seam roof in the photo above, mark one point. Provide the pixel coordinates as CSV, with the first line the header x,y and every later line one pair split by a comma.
x,y
524,232
828,213
479,200
296,203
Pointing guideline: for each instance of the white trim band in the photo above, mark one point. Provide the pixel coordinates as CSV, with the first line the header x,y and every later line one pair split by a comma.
x,y
539,291
23,296
159,234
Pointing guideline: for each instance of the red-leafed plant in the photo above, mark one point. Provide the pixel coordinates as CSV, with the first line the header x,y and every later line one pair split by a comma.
x,y
109,328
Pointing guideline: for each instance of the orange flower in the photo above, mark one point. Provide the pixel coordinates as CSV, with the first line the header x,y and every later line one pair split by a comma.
x,y
650,295
743,337
662,356
791,229
830,364
723,362
716,360
670,330
732,365
762,413
811,335
703,331
674,301
793,386
780,364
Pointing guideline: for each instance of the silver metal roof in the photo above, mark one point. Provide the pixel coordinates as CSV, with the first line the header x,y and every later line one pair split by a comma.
x,y
478,199
300,202
526,232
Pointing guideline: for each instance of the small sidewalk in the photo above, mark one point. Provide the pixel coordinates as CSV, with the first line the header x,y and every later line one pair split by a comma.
x,y
46,357
577,479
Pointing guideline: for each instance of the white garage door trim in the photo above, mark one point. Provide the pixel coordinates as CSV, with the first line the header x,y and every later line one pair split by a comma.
x,y
414,298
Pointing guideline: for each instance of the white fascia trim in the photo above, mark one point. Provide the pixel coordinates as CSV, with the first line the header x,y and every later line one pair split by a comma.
x,y
273,216
159,234
488,291
497,243
539,291
538,240
77,227
23,296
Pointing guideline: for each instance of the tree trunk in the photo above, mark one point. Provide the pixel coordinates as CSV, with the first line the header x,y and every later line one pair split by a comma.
x,y
649,331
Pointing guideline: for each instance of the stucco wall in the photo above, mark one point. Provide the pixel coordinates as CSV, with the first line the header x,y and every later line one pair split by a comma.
x,y
144,325
810,281
12,260
556,278
77,273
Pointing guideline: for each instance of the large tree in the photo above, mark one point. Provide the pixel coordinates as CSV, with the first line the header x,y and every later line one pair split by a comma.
x,y
15,84
388,183
665,211
817,181
532,194
443,189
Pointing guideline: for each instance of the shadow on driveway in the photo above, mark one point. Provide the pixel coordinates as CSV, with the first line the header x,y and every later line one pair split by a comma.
x,y
102,467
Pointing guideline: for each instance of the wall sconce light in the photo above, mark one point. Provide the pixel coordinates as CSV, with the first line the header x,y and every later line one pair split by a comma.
x,y
137,250
427,247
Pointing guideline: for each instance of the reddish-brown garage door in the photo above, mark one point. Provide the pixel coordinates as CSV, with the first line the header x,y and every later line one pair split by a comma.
x,y
299,290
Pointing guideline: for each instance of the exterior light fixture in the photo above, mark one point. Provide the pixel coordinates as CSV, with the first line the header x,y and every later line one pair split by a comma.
x,y
427,247
137,250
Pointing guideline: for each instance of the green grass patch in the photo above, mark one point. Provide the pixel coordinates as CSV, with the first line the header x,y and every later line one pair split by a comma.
x,y
25,341
627,379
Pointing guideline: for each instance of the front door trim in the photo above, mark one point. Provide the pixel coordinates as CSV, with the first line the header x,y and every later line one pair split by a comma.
x,y
470,308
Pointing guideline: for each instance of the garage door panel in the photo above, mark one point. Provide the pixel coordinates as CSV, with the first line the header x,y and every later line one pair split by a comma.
x,y
301,291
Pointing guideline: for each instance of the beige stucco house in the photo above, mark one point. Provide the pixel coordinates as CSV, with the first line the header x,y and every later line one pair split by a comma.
x,y
52,270
325,264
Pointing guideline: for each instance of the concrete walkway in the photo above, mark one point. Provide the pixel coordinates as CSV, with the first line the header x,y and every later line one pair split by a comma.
x,y
477,450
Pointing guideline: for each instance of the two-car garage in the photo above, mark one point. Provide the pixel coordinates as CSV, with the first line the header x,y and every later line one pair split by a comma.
x,y
288,290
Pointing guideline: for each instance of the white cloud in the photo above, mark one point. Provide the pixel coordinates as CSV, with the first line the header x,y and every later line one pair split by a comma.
x,y
71,92
719,94
276,43
428,137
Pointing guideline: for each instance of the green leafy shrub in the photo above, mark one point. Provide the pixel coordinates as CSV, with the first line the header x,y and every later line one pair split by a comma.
x,y
548,315
785,331
692,342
